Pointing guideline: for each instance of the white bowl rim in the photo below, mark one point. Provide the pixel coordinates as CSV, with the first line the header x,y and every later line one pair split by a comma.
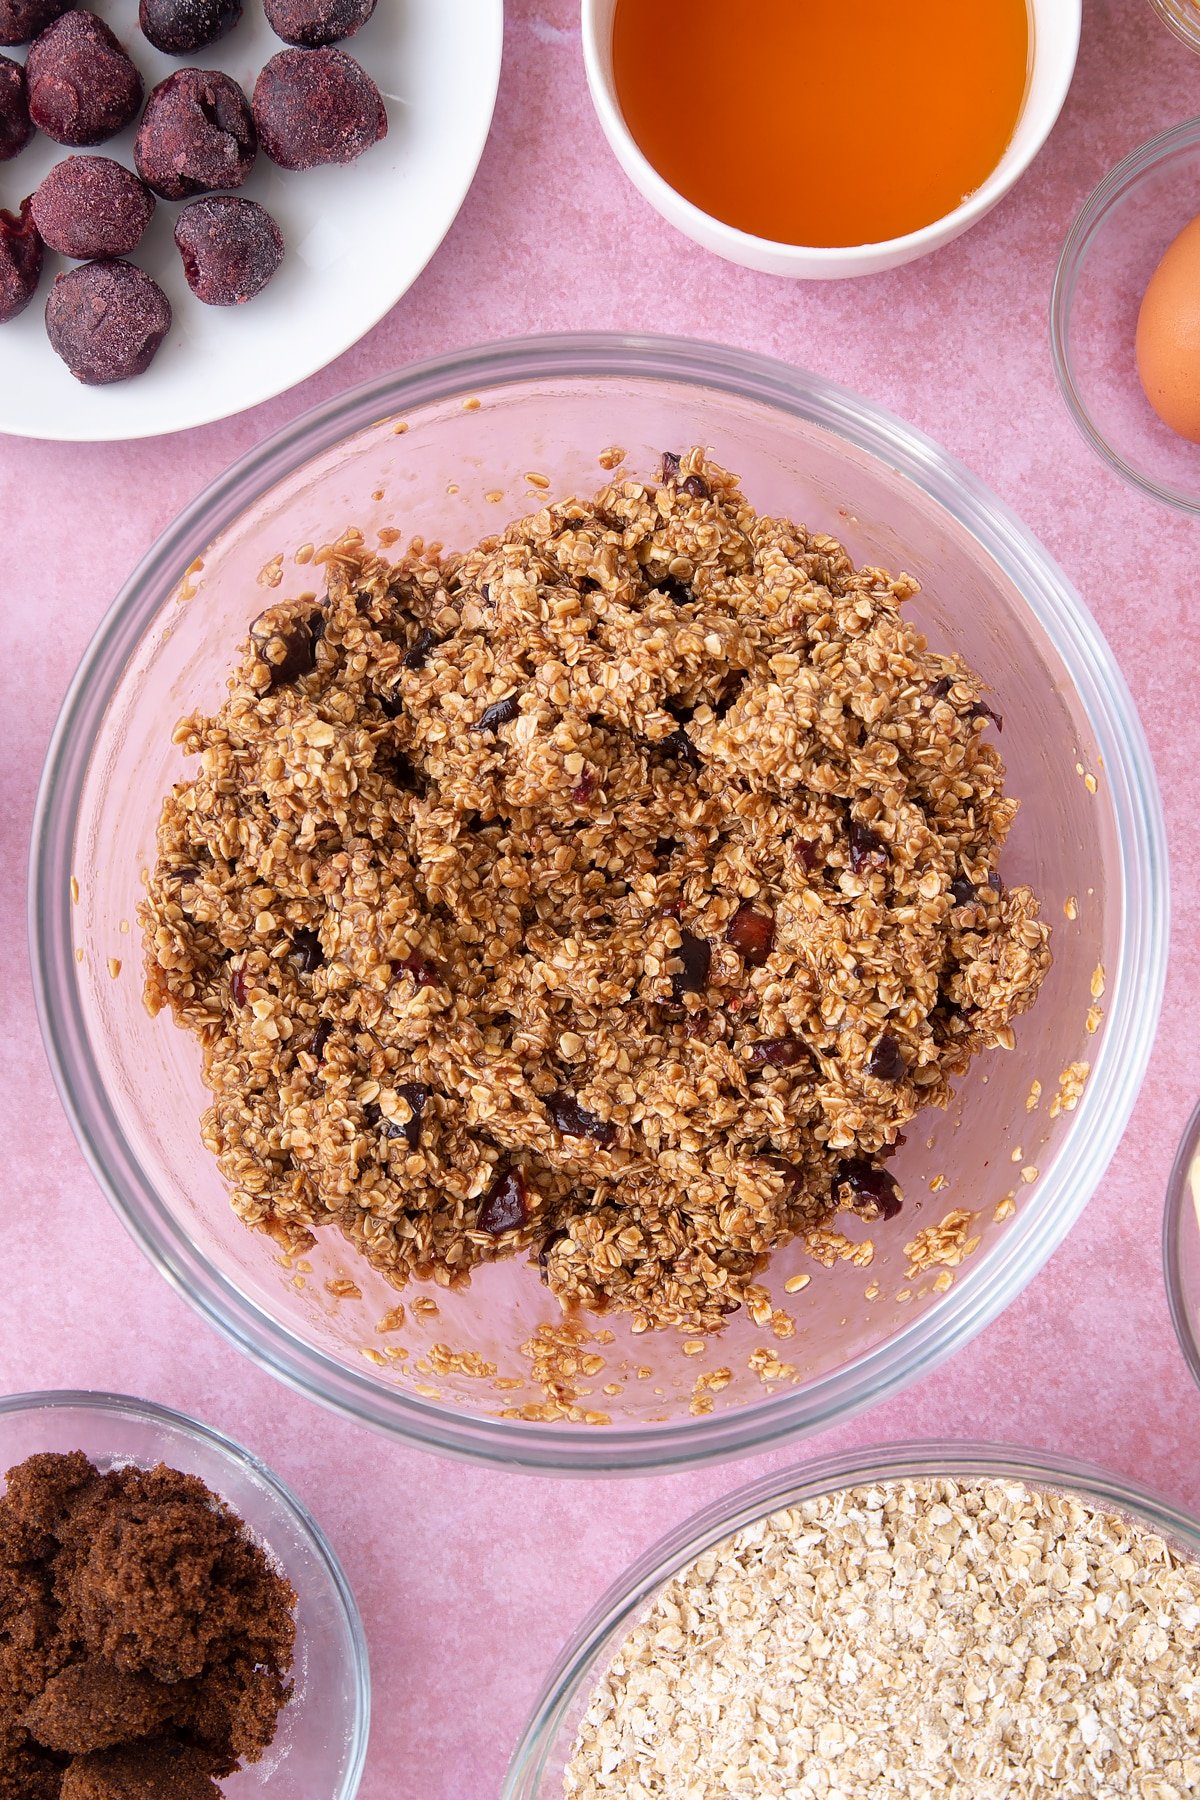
x,y
1135,986
746,246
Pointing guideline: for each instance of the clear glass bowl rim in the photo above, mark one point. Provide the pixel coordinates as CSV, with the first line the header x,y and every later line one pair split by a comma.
x,y
119,1406
1135,988
1183,1311
1091,216
631,1594
1174,21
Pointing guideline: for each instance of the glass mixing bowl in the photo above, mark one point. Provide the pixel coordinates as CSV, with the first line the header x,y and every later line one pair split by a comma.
x,y
1181,1243
1111,251
1089,836
1183,17
536,1770
321,1741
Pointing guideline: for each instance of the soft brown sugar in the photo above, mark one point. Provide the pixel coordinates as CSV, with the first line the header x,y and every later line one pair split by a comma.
x,y
614,892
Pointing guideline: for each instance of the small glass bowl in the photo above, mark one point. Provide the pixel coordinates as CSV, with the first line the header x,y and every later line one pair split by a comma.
x,y
1112,250
536,1770
321,1742
1183,18
1181,1243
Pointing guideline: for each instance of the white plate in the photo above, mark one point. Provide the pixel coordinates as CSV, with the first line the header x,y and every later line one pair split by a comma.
x,y
357,236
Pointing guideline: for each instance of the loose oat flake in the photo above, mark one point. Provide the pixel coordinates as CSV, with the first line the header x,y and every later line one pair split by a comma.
x,y
614,892
981,1640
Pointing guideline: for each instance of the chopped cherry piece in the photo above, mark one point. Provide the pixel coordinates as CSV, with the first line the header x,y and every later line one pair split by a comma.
x,y
753,933
573,1120
779,1053
299,638
424,972
696,956
237,987
416,1094
669,471
320,1038
500,712
584,788
697,487
307,951
806,853
505,1206
981,710
942,687
867,848
678,743
962,891
420,647
868,1182
886,1061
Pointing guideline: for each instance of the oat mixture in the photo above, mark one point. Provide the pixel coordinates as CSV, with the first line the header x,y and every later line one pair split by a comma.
x,y
616,891
979,1640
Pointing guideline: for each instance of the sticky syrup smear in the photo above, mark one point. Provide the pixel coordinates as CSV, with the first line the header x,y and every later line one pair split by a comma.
x,y
823,122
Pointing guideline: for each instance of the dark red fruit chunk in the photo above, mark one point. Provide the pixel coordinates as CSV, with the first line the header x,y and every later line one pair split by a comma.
x,y
500,712
584,788
196,134
22,20
416,654
423,972
573,1120
320,1038
962,891
679,744
793,1171
869,1183
669,470
306,951
942,688
416,1094
779,1053
16,126
82,86
300,637
806,853
106,320
317,106
230,249
237,987
981,710
753,933
867,848
886,1061
92,206
312,23
696,486
505,1206
696,955
181,27
20,261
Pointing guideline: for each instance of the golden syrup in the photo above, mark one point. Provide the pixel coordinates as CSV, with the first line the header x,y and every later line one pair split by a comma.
x,y
823,122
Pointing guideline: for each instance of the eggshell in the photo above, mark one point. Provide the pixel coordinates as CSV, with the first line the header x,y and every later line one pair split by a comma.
x,y
1168,335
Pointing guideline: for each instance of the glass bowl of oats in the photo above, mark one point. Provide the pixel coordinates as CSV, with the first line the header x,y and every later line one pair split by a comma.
x,y
583,922
924,1617
1181,1243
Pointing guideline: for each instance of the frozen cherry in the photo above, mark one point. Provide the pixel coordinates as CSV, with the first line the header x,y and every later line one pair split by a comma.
x,y
886,1061
317,106
181,27
574,1120
82,86
106,320
196,134
16,126
867,1182
779,1053
312,23
230,249
867,848
21,20
92,206
20,261
505,1206
753,933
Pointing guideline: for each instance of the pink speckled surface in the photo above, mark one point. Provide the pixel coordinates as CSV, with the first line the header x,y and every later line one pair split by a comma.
x,y
469,1581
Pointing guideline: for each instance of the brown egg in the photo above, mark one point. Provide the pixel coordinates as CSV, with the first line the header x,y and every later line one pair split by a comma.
x,y
1168,335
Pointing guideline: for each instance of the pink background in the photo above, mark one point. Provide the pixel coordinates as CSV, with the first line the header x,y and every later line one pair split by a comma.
x,y
470,1580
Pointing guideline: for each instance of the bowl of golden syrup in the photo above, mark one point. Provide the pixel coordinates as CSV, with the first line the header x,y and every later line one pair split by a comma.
x,y
818,139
